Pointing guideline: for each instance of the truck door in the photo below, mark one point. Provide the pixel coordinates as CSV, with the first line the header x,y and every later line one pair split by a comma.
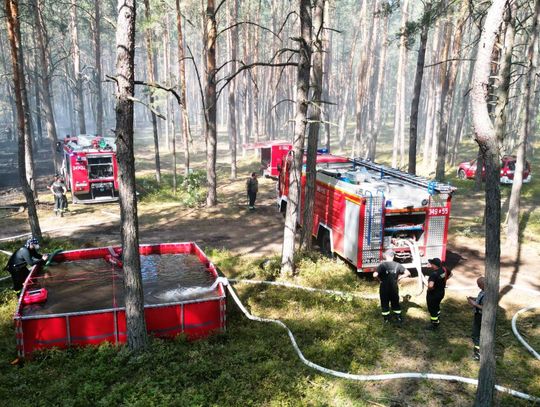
x,y
350,238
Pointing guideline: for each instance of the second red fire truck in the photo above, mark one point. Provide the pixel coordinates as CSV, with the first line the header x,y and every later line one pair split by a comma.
x,y
362,209
90,168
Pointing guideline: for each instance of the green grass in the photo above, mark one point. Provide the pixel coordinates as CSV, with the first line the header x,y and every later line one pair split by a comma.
x,y
253,364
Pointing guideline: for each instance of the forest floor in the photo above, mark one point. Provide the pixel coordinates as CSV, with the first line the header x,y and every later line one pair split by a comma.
x,y
256,235
231,226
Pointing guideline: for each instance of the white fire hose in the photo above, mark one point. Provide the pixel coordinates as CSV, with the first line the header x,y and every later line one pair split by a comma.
x,y
357,377
518,335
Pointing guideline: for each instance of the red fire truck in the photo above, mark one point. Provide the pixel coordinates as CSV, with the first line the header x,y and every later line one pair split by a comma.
x,y
90,168
362,209
272,153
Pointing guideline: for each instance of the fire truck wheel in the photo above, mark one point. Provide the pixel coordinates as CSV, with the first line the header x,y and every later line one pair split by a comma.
x,y
461,174
326,245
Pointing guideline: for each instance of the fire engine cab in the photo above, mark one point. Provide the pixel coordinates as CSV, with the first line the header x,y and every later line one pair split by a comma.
x,y
362,209
90,168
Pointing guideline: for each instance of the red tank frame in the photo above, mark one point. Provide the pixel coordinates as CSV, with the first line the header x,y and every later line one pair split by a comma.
x,y
195,318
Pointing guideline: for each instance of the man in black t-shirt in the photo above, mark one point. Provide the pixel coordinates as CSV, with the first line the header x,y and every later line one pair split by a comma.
x,y
20,260
389,273
435,291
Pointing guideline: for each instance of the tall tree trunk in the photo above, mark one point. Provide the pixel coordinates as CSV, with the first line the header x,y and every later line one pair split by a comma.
x,y
413,136
174,160
314,126
151,77
232,39
295,173
447,79
79,100
98,75
35,77
347,77
399,116
186,132
503,79
488,143
512,231
125,59
21,101
379,83
327,66
363,80
210,37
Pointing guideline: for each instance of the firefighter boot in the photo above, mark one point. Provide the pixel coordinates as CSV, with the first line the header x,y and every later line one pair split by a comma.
x,y
476,354
386,318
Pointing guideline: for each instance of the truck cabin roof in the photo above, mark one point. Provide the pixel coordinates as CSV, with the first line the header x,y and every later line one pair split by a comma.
x,y
88,143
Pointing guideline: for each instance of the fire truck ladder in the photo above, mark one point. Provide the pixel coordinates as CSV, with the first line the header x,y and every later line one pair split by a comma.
x,y
430,185
416,262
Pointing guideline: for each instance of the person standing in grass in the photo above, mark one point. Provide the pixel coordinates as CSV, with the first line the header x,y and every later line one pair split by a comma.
x,y
252,187
477,304
389,273
436,290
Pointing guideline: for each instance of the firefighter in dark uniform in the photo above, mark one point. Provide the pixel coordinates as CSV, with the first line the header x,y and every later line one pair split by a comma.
x,y
389,273
58,188
436,290
252,187
20,260
477,304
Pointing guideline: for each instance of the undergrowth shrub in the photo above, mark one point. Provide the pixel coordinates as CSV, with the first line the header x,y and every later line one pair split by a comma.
x,y
190,189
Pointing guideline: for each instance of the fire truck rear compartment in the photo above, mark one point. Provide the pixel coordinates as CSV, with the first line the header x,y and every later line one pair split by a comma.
x,y
100,167
400,227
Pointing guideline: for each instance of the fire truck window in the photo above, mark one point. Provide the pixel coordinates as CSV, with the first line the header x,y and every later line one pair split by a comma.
x,y
265,155
511,165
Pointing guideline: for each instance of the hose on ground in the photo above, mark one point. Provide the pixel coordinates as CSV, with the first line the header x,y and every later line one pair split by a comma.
x,y
518,335
357,377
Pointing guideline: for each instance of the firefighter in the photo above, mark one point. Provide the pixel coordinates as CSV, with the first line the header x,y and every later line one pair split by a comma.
x,y
252,187
436,290
20,260
477,304
58,189
389,273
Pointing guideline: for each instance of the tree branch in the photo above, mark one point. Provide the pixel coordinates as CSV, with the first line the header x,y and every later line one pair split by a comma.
x,y
250,23
449,60
249,66
134,99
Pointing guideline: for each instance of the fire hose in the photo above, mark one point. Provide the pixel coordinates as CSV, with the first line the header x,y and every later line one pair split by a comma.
x,y
358,377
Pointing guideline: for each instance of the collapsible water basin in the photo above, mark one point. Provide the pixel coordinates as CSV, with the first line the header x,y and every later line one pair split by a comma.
x,y
85,297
